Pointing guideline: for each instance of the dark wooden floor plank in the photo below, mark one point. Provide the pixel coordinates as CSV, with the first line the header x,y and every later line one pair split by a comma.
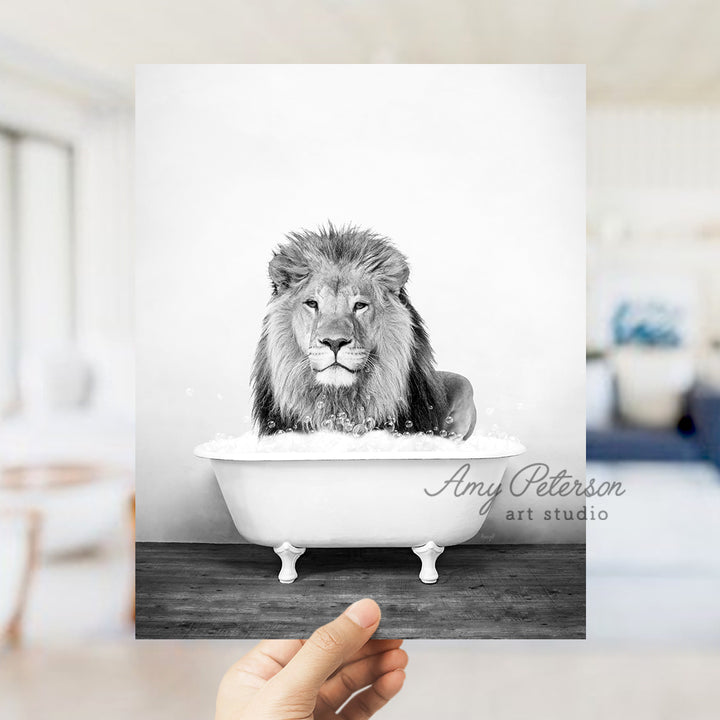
x,y
191,590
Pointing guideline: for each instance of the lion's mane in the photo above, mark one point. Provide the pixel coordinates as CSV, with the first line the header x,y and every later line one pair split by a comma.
x,y
399,384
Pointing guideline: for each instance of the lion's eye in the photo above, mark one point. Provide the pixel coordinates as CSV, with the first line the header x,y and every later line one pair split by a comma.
x,y
360,306
312,304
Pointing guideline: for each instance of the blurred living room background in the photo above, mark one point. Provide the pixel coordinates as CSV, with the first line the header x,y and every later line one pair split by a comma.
x,y
653,368
66,328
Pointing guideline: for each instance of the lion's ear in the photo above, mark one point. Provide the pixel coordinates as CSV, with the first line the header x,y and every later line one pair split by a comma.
x,y
285,271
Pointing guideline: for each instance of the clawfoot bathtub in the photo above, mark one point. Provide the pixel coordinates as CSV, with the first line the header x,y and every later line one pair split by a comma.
x,y
294,501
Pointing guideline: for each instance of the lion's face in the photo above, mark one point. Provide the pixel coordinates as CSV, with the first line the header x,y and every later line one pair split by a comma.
x,y
334,322
345,324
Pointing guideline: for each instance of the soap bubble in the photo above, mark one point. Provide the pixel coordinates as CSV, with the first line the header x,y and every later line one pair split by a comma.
x,y
408,424
270,424
431,407
369,424
327,424
448,420
443,433
357,441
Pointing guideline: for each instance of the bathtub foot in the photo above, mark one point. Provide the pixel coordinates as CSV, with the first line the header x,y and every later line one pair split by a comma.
x,y
288,554
428,554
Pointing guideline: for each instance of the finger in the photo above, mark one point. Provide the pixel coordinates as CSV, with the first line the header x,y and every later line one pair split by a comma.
x,y
263,662
358,675
243,679
328,648
365,704
374,647
281,651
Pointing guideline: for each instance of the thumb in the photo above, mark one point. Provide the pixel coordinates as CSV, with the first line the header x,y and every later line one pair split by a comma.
x,y
328,648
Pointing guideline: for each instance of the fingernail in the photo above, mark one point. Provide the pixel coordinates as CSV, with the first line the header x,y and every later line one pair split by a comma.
x,y
364,613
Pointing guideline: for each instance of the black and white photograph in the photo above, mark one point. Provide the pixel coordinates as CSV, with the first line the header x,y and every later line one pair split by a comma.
x,y
359,363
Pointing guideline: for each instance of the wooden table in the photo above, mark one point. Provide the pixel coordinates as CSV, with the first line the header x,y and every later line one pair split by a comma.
x,y
193,590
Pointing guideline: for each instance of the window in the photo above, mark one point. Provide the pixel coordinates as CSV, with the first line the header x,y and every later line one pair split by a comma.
x,y
37,265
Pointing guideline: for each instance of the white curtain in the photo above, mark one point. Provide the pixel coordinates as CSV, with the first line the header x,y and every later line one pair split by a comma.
x,y
104,257
37,280
45,264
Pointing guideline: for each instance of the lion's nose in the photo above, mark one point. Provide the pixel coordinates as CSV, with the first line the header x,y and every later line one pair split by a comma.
x,y
335,343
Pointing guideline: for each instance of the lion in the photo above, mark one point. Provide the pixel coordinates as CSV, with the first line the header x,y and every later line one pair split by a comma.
x,y
342,346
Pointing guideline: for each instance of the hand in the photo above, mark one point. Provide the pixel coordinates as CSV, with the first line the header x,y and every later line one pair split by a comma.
x,y
311,680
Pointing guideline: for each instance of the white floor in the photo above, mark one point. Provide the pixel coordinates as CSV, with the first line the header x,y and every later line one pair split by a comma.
x,y
653,567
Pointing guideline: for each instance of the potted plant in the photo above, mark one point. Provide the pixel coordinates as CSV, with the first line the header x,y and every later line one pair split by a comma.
x,y
654,367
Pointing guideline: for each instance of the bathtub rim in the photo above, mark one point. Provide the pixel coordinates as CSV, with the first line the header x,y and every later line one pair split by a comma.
x,y
516,449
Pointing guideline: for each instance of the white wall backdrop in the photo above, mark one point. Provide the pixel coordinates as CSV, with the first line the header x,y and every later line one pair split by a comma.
x,y
476,172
